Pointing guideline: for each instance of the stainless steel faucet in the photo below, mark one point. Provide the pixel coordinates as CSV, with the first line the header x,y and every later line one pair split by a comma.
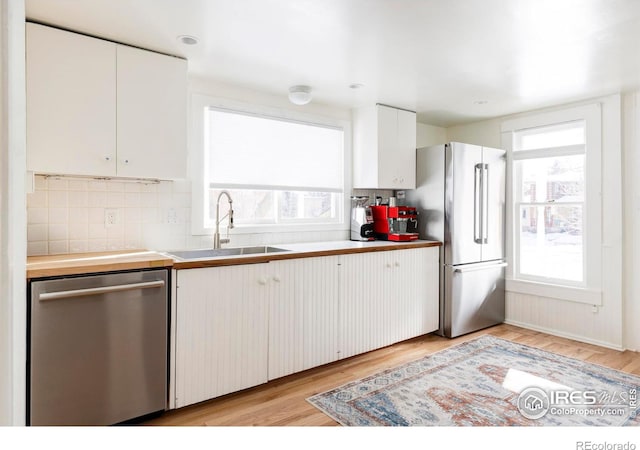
x,y
216,237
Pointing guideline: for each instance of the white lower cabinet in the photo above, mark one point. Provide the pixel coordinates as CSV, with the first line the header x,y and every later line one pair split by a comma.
x,y
387,297
221,331
303,315
240,326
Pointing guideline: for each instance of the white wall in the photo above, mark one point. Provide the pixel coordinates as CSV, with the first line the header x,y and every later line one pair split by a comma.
x,y
631,177
12,214
427,135
564,318
485,133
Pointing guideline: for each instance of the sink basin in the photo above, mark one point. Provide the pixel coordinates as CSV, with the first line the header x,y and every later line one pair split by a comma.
x,y
206,253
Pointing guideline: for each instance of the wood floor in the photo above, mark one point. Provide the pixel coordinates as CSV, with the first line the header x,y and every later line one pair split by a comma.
x,y
283,401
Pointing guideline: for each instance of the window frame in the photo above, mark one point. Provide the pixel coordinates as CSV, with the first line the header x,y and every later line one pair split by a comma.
x,y
198,159
590,290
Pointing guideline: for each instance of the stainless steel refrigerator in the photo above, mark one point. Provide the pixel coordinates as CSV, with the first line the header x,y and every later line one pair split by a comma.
x,y
460,197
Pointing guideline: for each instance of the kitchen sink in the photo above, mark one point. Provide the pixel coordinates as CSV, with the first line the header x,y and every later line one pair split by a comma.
x,y
206,253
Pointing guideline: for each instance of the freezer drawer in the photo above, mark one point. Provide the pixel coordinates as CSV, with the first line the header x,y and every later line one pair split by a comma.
x,y
97,348
473,297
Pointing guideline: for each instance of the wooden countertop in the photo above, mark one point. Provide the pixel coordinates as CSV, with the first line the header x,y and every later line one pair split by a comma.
x,y
84,263
305,250
81,263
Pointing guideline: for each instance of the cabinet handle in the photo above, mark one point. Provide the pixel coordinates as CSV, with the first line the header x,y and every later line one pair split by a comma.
x,y
126,161
262,281
388,265
107,158
397,264
276,279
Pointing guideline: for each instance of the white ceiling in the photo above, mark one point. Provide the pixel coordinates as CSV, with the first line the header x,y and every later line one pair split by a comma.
x,y
438,57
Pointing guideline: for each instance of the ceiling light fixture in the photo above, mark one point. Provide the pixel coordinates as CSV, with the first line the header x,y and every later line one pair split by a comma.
x,y
300,94
356,86
188,40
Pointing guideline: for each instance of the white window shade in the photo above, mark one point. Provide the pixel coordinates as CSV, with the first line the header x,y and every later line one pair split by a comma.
x,y
255,151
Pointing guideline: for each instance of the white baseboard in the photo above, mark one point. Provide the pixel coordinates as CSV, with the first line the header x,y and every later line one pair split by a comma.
x,y
574,337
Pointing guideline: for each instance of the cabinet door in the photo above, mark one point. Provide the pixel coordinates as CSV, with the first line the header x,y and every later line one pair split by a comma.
x,y
397,148
387,297
388,155
303,314
406,175
363,319
71,103
152,111
221,331
415,289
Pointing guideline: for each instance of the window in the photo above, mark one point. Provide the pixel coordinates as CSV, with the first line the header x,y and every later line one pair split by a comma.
x,y
549,164
555,179
283,172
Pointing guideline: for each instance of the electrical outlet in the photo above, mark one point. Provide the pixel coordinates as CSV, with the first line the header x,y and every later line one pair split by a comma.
x,y
172,216
110,217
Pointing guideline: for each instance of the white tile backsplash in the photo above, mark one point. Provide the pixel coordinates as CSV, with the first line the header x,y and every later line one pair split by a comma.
x,y
37,248
37,215
97,198
58,215
78,185
38,199
58,199
78,246
78,198
58,184
58,247
67,216
58,231
39,232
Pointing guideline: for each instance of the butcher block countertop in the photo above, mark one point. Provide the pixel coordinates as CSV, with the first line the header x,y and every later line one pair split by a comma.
x,y
85,263
81,263
305,250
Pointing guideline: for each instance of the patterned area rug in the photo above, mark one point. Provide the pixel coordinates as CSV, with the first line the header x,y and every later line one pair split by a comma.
x,y
487,381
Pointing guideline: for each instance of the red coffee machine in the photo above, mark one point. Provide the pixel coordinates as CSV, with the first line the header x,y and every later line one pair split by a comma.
x,y
395,223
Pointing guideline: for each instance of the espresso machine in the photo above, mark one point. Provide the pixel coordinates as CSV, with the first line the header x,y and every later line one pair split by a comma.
x,y
395,223
361,219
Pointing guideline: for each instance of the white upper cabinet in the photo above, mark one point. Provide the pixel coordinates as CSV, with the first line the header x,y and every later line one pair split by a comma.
x,y
384,148
71,108
151,114
99,108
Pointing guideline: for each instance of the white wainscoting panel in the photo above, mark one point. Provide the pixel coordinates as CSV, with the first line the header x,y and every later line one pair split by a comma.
x,y
599,325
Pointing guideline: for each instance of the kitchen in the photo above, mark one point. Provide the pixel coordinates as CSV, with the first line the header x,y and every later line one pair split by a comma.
x,y
64,218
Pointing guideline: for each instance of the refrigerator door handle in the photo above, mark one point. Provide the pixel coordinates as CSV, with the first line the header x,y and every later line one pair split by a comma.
x,y
485,205
477,204
479,267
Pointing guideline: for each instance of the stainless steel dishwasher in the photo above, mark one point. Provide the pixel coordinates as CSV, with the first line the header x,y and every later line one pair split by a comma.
x,y
97,348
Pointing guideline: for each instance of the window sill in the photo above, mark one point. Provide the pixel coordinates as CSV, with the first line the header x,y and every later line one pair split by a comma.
x,y
571,294
292,228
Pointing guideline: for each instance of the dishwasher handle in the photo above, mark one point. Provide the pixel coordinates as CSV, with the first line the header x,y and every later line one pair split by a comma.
x,y
44,296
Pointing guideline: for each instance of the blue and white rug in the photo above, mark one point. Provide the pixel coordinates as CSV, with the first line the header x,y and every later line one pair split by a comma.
x,y
487,381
